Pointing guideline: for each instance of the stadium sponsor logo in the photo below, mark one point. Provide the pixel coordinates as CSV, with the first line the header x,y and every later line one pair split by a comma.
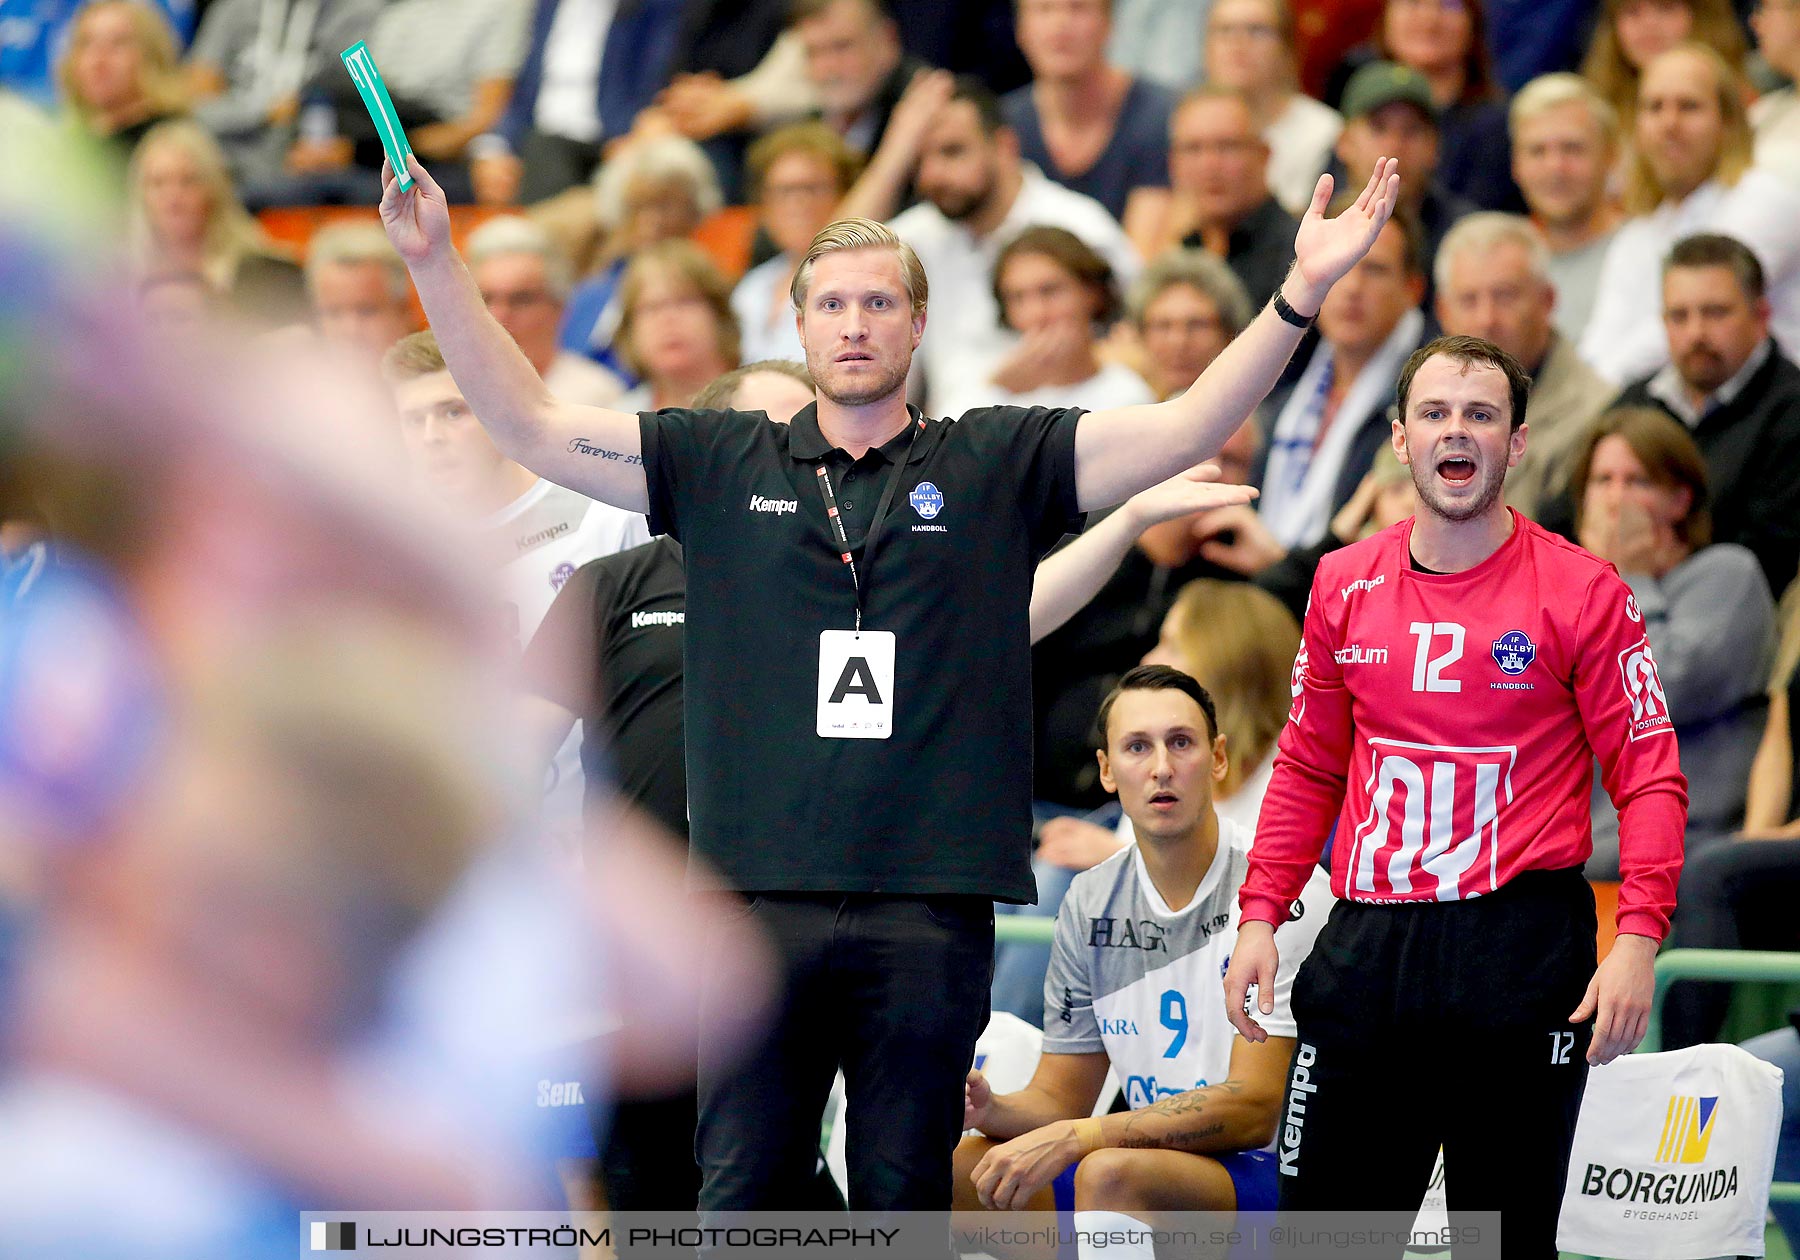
x,y
542,536
1687,1129
926,500
1687,1135
1293,1125
1638,1185
1357,654
639,620
1643,687
1363,584
1514,652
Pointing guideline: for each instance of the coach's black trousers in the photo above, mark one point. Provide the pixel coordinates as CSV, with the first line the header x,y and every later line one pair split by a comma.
x,y
1423,1025
892,989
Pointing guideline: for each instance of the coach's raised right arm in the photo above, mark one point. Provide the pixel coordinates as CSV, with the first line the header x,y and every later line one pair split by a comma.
x,y
595,450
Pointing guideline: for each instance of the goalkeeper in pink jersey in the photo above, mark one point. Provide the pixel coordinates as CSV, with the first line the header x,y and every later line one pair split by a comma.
x,y
1459,674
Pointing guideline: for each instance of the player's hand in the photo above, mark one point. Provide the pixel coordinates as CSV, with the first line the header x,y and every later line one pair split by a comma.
x,y
1075,844
1618,999
1324,249
1194,490
417,220
1009,1174
1253,962
977,1094
1235,538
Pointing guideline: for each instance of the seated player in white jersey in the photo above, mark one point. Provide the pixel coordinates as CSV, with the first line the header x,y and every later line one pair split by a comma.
x,y
1135,984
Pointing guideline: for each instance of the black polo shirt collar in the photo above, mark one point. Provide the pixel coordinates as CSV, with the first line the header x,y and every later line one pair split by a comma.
x,y
807,442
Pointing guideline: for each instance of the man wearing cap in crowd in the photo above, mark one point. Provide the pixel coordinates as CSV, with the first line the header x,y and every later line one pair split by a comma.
x,y
1388,110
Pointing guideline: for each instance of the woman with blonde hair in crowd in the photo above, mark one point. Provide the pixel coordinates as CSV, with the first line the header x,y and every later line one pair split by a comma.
x,y
119,77
676,328
1633,33
183,215
1240,642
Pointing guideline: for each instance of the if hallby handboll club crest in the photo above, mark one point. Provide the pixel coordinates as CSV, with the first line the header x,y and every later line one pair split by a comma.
x,y
926,500
1514,652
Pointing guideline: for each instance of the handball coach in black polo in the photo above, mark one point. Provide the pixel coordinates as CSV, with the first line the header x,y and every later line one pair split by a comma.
x,y
858,664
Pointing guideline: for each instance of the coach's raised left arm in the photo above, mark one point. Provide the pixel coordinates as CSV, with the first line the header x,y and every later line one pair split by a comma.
x,y
1121,451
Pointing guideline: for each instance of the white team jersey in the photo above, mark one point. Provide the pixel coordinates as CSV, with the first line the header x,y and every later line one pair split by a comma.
x,y
1145,983
549,532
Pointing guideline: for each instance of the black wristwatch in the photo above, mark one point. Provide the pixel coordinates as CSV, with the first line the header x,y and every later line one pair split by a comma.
x,y
1290,315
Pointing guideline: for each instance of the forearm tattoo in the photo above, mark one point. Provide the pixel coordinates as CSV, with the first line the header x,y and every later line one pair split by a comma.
x,y
1179,1130
581,446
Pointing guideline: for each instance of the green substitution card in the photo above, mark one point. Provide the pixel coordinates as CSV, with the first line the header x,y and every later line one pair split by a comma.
x,y
361,65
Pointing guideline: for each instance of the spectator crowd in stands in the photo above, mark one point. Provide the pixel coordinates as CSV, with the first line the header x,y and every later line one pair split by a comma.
x,y
1102,193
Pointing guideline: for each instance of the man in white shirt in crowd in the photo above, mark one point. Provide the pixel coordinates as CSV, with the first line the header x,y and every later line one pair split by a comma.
x,y
1690,172
525,281
977,195
1565,142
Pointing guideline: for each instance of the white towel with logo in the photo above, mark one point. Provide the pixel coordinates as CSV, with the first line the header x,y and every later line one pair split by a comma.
x,y
1673,1156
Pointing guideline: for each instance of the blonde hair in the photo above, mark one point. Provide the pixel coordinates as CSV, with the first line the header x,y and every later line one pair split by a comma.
x,y
159,74
1714,24
1240,642
849,234
1787,653
687,263
231,233
1549,91
1643,191
414,355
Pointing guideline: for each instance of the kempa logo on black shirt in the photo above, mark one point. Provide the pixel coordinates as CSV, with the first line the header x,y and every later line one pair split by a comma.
x,y
641,619
760,504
